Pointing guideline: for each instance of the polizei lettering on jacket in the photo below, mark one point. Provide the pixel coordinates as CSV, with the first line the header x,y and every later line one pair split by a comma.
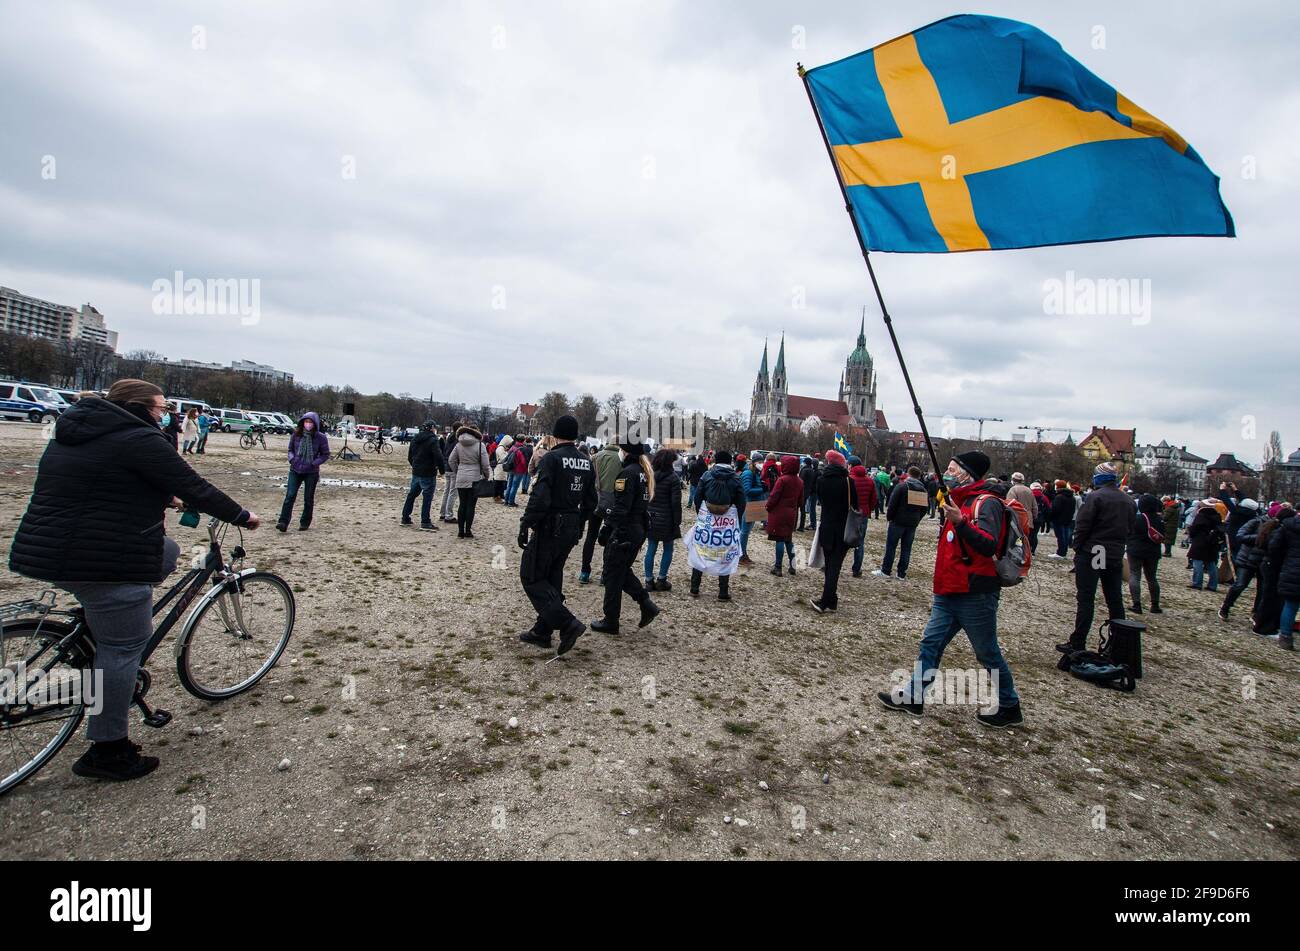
x,y
573,462
76,904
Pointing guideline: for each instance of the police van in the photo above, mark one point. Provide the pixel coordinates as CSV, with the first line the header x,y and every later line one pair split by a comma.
x,y
30,401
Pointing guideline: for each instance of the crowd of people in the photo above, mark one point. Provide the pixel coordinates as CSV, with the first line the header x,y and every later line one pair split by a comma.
x,y
636,504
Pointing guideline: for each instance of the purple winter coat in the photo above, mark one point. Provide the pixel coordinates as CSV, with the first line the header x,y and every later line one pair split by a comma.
x,y
321,444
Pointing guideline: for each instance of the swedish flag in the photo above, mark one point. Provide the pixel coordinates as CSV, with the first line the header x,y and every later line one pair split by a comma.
x,y
842,444
978,133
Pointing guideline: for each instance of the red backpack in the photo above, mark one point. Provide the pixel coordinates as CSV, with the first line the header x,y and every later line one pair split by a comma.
x,y
1014,555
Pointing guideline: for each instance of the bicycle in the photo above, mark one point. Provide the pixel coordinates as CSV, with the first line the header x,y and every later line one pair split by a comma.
x,y
243,622
378,444
251,437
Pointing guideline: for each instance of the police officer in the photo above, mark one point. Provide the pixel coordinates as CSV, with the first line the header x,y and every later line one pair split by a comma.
x,y
623,533
562,499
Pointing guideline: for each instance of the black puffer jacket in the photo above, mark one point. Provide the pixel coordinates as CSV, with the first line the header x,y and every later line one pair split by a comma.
x,y
102,489
838,495
1284,552
1140,544
666,507
1249,555
1206,533
425,455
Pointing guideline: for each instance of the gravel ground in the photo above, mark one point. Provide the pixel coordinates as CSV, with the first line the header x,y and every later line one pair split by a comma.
x,y
747,729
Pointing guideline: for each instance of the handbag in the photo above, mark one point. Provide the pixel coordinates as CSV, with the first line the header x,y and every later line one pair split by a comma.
x,y
817,557
852,520
484,488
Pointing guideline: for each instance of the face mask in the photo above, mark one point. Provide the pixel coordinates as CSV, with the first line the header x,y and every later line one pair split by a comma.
x,y
951,481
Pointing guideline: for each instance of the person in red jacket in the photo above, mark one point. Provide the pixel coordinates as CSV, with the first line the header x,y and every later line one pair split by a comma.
x,y
866,487
966,592
782,510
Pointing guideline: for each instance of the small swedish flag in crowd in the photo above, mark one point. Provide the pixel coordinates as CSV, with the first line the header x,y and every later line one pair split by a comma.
x,y
842,444
977,133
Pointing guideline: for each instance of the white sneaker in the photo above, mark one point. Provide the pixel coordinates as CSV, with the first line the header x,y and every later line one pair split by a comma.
x,y
880,574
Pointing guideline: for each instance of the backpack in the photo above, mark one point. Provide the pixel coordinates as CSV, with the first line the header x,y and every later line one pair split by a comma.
x,y
1014,554
717,495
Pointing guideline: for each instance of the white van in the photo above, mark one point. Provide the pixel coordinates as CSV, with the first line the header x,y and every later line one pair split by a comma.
x,y
40,404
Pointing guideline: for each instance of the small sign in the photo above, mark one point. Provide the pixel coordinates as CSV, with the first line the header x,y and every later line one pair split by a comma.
x,y
916,497
756,511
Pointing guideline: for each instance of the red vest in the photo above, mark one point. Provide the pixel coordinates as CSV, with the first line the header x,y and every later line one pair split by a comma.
x,y
956,564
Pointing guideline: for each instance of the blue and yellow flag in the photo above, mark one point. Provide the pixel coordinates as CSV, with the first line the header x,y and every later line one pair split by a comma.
x,y
978,133
842,444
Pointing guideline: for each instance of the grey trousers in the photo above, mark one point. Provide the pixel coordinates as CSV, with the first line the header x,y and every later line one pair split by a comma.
x,y
121,617
449,496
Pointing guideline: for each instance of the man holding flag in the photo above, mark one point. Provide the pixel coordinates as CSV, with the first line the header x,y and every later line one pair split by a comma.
x,y
979,133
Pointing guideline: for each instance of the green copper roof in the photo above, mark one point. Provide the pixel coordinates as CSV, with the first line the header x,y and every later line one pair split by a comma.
x,y
780,357
860,357
762,371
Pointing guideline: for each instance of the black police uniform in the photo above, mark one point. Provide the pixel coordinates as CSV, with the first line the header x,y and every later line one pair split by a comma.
x,y
626,522
562,499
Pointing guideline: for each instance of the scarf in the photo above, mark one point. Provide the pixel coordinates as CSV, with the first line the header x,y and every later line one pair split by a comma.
x,y
306,453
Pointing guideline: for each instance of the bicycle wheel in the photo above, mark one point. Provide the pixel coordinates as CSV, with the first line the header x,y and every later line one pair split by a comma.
x,y
235,636
31,733
245,441
386,448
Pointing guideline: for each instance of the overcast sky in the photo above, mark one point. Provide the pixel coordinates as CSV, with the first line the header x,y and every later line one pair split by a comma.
x,y
624,196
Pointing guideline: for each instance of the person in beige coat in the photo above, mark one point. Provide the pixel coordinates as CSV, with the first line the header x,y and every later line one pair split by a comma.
x,y
468,463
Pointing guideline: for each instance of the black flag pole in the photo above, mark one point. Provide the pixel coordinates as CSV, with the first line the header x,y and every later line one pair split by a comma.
x,y
884,311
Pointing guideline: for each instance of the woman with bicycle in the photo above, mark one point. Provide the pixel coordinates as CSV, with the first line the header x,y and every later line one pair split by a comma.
x,y
308,449
95,528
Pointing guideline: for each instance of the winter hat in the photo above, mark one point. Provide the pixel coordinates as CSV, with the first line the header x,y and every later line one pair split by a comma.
x,y
974,462
1250,504
566,427
1017,477
1059,484
633,449
722,457
834,458
1104,473
1037,486
854,461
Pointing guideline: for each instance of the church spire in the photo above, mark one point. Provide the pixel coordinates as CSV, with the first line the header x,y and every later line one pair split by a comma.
x,y
762,370
780,357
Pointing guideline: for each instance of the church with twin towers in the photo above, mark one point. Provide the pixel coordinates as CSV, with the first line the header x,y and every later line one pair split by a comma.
x,y
773,406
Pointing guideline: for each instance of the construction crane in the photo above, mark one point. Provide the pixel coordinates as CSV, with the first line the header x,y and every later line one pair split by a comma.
x,y
1048,429
980,419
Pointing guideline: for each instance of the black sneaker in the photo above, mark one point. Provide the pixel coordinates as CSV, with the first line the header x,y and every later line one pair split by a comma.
x,y
122,763
1223,614
724,595
600,625
281,526
1005,717
1069,647
537,640
663,584
893,703
303,528
1156,610
428,527
695,592
791,570
649,611
775,570
819,607
1135,609
407,521
569,636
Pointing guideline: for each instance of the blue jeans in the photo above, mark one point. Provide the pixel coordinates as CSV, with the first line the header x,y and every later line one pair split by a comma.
x,y
1198,572
860,550
651,546
1064,535
978,615
426,485
513,481
786,549
811,505
744,536
695,494
308,485
1289,609
896,534
528,480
